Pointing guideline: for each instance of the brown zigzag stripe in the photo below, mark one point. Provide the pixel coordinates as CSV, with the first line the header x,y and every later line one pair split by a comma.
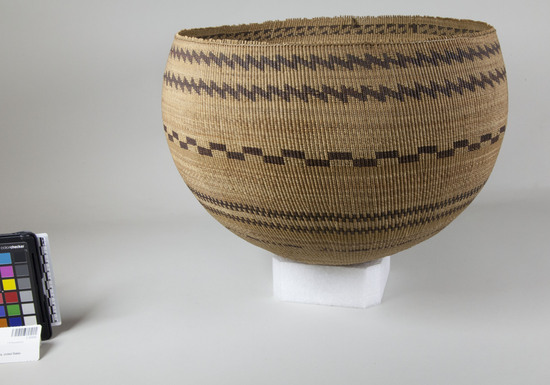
x,y
465,145
334,217
349,62
364,94
339,29
336,230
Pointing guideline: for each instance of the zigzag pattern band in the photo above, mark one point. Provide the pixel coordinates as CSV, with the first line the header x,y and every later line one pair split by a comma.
x,y
344,94
338,230
340,140
464,144
349,61
335,217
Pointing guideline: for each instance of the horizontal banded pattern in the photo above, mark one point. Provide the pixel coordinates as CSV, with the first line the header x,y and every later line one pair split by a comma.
x,y
331,62
336,140
325,93
334,217
338,229
333,157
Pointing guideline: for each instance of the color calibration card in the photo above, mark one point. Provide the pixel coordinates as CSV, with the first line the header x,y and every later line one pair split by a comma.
x,y
27,290
17,300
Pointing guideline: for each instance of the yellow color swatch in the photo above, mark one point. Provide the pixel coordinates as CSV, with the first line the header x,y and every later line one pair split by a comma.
x,y
9,284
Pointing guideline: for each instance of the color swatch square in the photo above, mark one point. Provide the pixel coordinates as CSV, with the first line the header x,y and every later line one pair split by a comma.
x,y
1,299
24,283
26,296
11,297
21,270
15,321
13,310
2,311
9,284
30,320
3,323
5,259
27,308
6,271
19,256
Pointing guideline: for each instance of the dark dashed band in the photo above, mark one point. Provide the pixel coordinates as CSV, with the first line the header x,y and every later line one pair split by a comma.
x,y
331,157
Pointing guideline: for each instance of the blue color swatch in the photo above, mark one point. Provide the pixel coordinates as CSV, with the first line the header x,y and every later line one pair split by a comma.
x,y
15,321
5,259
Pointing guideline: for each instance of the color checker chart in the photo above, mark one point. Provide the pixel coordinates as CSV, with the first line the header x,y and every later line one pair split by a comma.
x,y
27,290
17,306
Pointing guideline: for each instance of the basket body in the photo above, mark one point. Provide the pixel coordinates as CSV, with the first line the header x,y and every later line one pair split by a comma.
x,y
336,140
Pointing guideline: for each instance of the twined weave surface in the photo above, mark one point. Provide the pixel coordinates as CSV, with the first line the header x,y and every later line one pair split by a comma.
x,y
336,140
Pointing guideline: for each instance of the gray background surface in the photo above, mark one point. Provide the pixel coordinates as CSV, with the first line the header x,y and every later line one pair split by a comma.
x,y
152,288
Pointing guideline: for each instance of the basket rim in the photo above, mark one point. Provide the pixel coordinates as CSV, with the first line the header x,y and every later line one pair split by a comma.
x,y
204,34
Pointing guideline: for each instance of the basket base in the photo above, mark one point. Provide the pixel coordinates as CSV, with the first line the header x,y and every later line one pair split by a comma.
x,y
358,286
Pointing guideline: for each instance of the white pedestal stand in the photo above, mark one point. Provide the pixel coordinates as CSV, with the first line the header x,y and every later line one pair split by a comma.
x,y
349,286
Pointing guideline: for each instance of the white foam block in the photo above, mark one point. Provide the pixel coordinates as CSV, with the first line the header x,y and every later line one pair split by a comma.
x,y
359,285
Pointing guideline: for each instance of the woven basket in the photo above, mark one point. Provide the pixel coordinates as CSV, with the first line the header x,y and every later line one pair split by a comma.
x,y
336,140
